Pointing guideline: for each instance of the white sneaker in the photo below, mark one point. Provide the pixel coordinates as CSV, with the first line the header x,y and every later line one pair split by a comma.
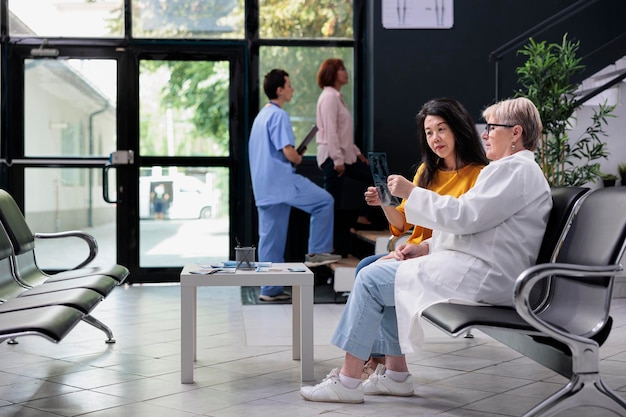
x,y
331,390
380,384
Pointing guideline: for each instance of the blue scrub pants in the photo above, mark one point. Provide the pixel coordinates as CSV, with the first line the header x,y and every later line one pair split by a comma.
x,y
274,224
368,323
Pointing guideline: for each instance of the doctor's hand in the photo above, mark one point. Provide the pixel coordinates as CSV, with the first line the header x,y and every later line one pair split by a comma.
x,y
400,186
372,198
411,250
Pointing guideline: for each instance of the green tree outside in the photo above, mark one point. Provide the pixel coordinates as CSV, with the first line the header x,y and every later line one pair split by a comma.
x,y
187,110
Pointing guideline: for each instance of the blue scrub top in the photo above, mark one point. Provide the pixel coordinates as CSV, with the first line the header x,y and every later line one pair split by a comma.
x,y
273,176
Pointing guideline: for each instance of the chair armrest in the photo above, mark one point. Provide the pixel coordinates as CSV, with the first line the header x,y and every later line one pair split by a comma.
x,y
580,345
86,237
398,240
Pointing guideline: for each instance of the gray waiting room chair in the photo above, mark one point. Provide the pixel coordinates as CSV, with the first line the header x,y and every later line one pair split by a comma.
x,y
563,325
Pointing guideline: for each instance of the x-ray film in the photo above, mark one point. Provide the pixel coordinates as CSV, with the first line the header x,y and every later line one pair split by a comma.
x,y
380,172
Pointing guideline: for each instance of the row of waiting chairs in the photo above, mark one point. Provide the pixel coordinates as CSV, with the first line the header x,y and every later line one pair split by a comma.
x,y
33,302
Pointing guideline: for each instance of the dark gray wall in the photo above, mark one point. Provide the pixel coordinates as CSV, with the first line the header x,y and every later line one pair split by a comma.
x,y
405,68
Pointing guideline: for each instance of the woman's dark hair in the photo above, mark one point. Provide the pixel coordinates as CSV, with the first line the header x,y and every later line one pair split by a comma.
x,y
467,143
327,74
274,79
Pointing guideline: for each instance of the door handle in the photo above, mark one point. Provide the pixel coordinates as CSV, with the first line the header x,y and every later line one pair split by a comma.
x,y
105,185
116,159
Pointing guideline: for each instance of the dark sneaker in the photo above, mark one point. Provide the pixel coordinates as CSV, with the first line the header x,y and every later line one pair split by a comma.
x,y
278,297
319,259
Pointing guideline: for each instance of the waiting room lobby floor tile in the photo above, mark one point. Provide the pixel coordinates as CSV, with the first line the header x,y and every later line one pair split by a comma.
x,y
244,366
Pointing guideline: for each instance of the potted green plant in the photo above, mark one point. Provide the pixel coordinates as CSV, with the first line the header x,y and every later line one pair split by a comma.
x,y
546,80
608,180
621,168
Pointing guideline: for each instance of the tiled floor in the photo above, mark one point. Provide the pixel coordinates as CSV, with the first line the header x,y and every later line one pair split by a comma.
x,y
244,366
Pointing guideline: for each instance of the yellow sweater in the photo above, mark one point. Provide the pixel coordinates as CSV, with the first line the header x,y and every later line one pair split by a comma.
x,y
452,183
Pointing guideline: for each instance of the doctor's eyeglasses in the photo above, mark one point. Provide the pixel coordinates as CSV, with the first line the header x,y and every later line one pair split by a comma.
x,y
490,126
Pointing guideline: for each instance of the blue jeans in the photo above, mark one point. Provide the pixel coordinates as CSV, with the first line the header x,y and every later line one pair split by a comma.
x,y
368,323
362,264
367,260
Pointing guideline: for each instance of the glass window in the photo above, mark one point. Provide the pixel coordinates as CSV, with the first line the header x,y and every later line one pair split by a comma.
x,y
184,108
62,199
69,107
184,215
302,64
67,18
305,19
188,19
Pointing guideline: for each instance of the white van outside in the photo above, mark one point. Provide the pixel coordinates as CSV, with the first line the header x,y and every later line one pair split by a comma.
x,y
174,197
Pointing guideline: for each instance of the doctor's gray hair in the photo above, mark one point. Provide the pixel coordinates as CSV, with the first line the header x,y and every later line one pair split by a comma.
x,y
518,111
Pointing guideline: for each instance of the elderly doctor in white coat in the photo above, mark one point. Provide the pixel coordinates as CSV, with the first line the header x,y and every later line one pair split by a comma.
x,y
481,241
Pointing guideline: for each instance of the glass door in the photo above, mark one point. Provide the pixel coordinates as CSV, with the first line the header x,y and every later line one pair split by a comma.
x,y
69,130
172,204
188,130
61,119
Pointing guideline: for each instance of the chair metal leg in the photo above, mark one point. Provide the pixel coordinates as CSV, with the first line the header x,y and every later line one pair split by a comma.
x,y
99,325
586,390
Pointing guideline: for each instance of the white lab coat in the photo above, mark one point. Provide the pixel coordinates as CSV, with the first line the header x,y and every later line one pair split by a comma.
x,y
481,242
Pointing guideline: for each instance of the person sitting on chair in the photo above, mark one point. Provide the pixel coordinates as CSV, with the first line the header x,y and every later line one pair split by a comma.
x,y
481,241
453,156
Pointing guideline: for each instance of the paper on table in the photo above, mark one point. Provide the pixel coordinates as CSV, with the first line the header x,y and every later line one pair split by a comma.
x,y
233,264
203,270
270,269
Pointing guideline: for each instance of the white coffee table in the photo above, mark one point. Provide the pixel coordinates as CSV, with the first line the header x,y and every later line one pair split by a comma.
x,y
302,304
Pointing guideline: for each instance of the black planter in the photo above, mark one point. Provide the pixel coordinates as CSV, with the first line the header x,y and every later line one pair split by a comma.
x,y
609,183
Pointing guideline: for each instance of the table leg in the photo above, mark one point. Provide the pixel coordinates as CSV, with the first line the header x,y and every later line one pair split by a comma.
x,y
187,333
194,323
296,330
306,329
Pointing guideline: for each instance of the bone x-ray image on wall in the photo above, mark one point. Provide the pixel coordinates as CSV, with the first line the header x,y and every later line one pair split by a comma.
x,y
418,14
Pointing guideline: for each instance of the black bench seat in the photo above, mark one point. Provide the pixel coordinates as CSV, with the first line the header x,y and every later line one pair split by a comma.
x,y
50,322
23,242
82,299
561,306
33,302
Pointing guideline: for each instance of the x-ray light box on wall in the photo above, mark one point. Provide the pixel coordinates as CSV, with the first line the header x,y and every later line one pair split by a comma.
x,y
418,14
